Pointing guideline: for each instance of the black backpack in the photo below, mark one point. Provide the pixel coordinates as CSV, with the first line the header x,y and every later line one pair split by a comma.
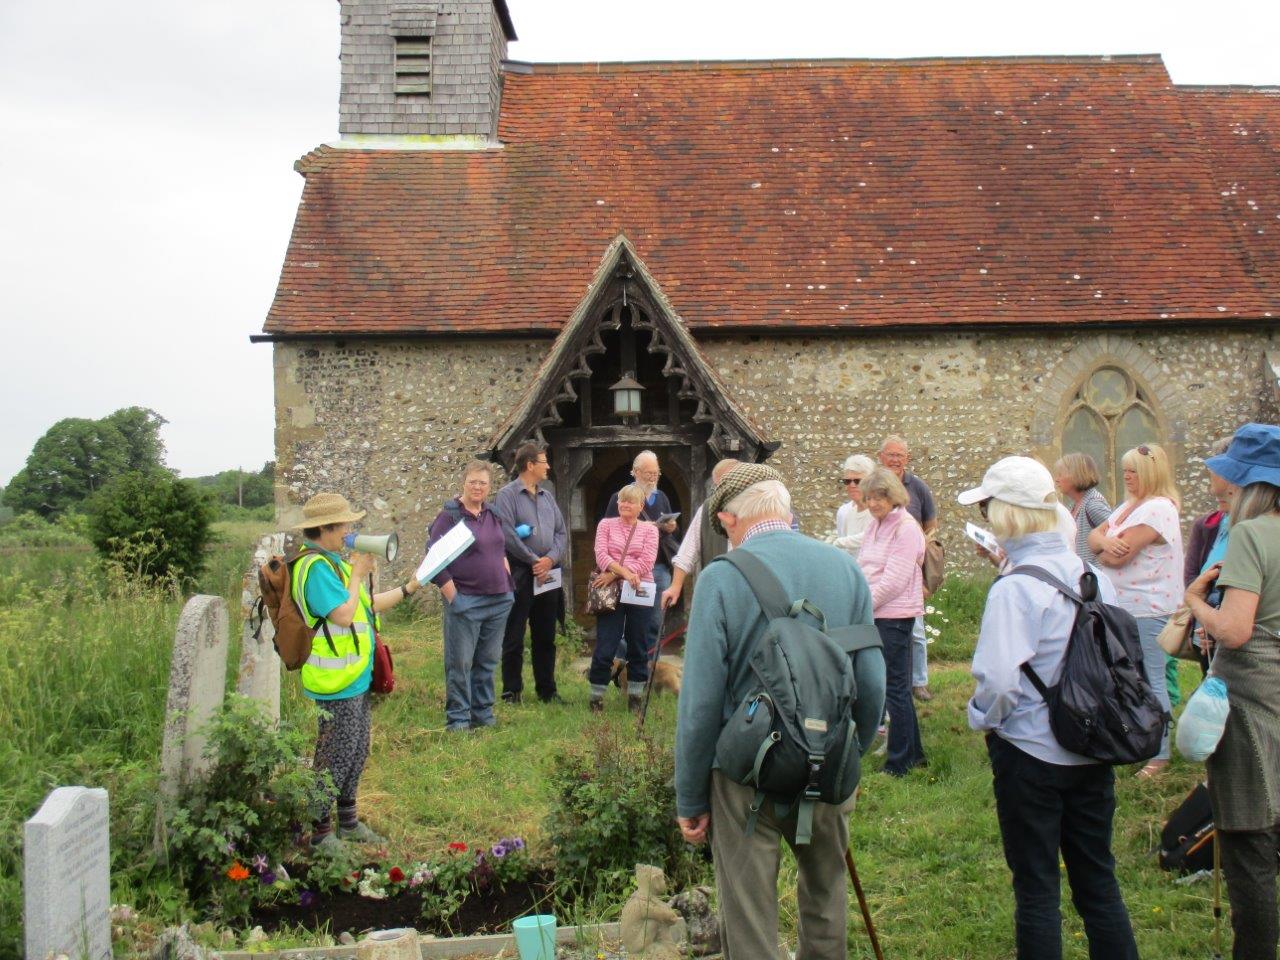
x,y
1187,838
1102,706
818,694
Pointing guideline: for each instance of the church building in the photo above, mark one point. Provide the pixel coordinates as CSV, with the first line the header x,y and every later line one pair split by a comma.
x,y
783,260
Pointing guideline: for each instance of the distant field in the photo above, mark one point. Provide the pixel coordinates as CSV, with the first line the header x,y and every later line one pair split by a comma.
x,y
84,684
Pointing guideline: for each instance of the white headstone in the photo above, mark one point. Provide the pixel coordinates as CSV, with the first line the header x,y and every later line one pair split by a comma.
x,y
66,857
259,674
197,686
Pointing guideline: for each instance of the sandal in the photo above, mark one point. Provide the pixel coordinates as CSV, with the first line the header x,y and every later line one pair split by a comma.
x,y
1152,769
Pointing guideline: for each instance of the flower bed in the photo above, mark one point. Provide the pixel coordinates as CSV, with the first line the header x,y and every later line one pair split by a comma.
x,y
461,892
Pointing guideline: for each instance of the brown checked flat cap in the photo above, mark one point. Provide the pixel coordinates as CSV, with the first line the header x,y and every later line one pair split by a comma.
x,y
741,477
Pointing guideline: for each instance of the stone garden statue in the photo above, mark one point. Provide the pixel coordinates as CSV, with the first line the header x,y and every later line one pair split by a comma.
x,y
647,922
702,923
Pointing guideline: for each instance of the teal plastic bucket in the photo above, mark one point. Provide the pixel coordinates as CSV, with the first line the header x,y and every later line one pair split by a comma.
x,y
536,937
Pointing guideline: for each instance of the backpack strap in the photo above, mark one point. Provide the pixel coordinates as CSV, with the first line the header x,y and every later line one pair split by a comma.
x,y
1088,592
769,592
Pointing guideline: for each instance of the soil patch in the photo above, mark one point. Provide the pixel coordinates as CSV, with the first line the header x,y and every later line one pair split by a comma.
x,y
490,910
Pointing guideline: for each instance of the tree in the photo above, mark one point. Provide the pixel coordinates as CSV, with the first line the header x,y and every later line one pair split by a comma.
x,y
77,457
152,523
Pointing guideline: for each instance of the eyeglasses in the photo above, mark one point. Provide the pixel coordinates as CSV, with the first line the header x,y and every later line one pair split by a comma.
x,y
543,463
850,481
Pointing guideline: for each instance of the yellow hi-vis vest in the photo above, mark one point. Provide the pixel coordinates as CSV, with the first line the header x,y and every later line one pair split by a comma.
x,y
339,655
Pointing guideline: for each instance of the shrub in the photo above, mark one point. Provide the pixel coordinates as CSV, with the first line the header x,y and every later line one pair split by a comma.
x,y
615,807
152,525
232,830
28,530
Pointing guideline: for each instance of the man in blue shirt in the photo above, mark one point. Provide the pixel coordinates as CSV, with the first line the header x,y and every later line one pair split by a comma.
x,y
536,540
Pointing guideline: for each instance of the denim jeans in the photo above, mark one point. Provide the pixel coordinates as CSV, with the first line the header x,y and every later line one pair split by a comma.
x,y
473,628
904,749
1044,809
628,625
919,655
1153,662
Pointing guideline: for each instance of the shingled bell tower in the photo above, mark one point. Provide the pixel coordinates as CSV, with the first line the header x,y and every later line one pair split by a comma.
x,y
422,74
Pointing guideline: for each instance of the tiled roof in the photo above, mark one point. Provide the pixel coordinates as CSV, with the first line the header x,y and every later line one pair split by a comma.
x,y
824,195
1239,129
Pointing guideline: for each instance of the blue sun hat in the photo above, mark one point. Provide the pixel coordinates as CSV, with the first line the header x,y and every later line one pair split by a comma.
x,y
1253,457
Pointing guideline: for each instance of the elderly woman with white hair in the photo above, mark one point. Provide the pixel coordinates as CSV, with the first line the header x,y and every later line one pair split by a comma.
x,y
1050,802
853,517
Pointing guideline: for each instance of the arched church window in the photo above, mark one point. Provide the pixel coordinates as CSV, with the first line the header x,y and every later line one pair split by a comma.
x,y
1108,415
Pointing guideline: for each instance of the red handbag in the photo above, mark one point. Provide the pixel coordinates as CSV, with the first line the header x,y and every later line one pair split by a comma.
x,y
384,670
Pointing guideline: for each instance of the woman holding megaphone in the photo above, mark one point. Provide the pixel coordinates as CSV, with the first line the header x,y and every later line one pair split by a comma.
x,y
334,600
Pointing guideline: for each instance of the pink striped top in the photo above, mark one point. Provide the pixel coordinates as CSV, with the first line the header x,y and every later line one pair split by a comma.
x,y
890,556
611,537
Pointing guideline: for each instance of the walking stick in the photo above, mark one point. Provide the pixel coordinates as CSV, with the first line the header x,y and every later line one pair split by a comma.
x,y
653,666
1217,897
862,903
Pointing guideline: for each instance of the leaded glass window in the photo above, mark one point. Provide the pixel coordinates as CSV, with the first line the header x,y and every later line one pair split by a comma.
x,y
1108,415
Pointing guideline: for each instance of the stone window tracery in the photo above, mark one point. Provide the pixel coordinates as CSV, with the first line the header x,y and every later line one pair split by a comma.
x,y
1109,414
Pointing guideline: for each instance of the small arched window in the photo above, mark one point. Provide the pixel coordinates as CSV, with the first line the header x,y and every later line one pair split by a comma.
x,y
1108,415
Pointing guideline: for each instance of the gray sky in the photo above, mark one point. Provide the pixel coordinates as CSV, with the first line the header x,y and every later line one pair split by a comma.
x,y
147,189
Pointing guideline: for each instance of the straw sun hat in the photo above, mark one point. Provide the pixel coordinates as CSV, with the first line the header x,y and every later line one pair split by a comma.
x,y
326,508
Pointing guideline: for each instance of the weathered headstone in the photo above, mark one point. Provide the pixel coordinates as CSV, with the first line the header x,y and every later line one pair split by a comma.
x,y
259,674
67,876
197,685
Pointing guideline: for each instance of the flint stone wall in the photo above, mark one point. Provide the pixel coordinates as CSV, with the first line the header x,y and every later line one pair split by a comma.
x,y
389,424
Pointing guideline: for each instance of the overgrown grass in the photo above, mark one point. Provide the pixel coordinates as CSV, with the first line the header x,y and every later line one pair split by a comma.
x,y
84,685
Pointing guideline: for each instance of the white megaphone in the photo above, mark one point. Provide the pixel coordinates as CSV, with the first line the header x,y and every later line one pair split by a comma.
x,y
385,545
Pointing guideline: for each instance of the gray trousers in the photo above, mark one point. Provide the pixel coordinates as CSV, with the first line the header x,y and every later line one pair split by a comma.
x,y
747,876
1249,866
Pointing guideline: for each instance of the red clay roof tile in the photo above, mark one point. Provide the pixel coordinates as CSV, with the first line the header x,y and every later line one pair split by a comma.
x,y
819,195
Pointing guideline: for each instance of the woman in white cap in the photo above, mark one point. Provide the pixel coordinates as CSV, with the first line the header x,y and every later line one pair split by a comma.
x,y
1244,770
1050,802
335,602
1139,548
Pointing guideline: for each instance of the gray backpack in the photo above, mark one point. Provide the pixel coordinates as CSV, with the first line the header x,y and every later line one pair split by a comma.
x,y
813,707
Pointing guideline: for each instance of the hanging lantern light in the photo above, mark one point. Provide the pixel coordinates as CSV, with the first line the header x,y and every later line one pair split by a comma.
x,y
626,396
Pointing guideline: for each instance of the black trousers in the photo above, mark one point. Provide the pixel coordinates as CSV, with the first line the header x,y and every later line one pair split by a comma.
x,y
539,614
1045,808
1249,867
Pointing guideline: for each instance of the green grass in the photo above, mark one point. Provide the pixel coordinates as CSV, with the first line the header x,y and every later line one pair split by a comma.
x,y
84,683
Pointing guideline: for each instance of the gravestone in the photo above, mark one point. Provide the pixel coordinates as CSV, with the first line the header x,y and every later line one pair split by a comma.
x,y
67,876
197,685
259,674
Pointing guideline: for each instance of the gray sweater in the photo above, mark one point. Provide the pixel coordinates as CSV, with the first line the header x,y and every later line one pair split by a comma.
x,y
724,625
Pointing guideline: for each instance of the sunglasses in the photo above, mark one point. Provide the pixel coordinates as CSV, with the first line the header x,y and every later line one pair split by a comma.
x,y
1145,451
850,481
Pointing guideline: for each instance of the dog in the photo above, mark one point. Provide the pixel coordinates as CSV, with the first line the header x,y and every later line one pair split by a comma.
x,y
666,675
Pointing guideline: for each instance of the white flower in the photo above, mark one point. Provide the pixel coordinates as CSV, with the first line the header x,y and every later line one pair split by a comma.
x,y
930,610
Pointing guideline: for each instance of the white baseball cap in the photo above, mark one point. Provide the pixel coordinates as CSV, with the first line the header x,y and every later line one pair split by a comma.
x,y
1020,481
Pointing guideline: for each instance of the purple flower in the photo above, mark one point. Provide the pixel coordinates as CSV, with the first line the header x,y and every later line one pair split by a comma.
x,y
267,878
516,844
260,863
498,850
230,847
306,899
